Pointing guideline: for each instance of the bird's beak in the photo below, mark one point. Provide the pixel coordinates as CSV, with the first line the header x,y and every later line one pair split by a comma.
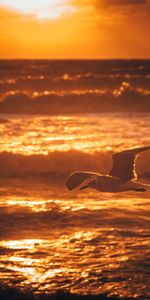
x,y
83,187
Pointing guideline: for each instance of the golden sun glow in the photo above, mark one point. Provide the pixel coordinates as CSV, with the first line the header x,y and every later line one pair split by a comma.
x,y
41,9
65,28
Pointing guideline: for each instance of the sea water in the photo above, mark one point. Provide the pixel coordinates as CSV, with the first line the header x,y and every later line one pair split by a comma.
x,y
82,242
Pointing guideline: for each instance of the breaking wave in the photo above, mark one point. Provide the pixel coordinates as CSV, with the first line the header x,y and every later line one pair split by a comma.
x,y
60,164
75,86
123,99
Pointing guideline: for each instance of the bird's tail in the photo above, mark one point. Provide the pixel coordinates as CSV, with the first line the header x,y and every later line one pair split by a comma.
x,y
140,187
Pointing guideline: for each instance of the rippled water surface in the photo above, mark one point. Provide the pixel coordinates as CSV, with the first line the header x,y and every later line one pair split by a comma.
x,y
87,133
82,242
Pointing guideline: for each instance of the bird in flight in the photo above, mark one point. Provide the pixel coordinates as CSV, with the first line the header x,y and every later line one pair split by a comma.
x,y
121,178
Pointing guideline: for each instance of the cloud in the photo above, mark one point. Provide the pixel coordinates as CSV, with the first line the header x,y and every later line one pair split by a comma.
x,y
122,2
113,4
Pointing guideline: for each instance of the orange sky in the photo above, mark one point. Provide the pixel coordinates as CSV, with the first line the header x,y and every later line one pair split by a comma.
x,y
75,29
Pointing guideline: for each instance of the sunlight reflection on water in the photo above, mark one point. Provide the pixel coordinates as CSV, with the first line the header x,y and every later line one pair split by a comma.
x,y
82,242
41,135
91,243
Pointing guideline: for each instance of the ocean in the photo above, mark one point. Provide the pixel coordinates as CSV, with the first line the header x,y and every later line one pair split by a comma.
x,y
57,117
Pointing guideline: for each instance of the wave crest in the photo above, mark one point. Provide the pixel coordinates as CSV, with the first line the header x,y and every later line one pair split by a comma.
x,y
61,164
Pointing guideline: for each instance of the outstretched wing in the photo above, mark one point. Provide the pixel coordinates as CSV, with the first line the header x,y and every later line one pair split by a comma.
x,y
124,163
76,178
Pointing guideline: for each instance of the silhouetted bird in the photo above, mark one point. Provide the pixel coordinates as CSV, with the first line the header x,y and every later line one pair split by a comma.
x,y
122,176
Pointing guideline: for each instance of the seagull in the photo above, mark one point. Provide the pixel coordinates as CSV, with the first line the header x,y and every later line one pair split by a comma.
x,y
121,178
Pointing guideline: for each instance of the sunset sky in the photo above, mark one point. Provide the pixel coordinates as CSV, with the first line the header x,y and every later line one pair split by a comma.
x,y
75,28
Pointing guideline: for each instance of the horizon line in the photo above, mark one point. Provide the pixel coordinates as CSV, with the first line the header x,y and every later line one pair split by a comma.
x,y
98,58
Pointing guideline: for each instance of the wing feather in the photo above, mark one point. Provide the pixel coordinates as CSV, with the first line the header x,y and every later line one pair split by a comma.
x,y
124,163
77,178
